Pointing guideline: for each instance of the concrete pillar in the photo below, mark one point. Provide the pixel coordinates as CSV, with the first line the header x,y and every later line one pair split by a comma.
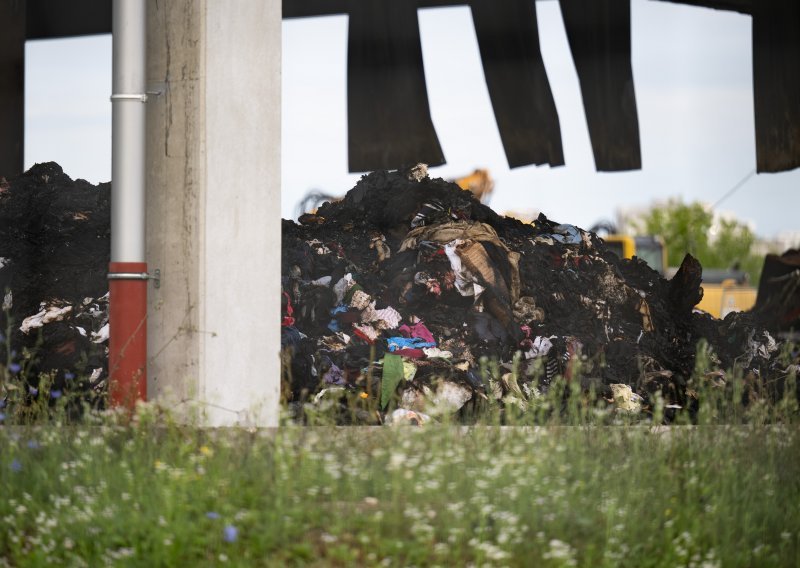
x,y
12,87
213,208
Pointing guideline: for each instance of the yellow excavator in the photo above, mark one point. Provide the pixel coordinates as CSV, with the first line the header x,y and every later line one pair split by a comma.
x,y
479,182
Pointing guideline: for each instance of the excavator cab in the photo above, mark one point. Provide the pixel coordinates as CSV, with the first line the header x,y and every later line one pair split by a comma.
x,y
479,182
650,249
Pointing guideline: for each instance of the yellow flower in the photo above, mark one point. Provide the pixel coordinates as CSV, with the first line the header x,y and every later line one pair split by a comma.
x,y
364,395
206,451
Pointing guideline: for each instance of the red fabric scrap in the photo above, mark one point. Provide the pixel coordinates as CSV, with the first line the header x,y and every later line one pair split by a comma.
x,y
288,320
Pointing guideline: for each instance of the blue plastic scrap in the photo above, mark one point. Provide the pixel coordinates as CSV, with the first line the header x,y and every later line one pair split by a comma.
x,y
396,343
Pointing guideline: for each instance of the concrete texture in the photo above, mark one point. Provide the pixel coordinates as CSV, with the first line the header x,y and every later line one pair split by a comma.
x,y
213,208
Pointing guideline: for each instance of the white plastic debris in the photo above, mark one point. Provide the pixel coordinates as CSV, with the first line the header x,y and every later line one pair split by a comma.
x,y
418,172
436,352
342,286
327,397
448,398
412,399
404,417
101,335
465,281
360,300
540,346
625,399
48,314
769,346
324,281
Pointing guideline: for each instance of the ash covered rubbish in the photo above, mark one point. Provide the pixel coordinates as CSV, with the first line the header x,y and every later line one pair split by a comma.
x,y
54,252
410,298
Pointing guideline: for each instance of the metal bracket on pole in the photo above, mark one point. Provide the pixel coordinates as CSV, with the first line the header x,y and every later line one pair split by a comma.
x,y
141,97
155,277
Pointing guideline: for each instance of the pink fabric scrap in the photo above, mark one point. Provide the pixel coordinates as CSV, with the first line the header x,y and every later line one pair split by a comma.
x,y
417,330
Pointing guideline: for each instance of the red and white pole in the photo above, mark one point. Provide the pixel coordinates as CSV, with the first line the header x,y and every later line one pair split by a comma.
x,y
127,365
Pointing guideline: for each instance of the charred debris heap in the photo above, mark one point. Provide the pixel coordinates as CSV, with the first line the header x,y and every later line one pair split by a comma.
x,y
405,290
54,252
408,292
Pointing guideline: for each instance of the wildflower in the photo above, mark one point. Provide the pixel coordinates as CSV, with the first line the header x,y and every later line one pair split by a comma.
x,y
2,416
16,465
206,451
14,368
33,444
55,394
364,395
69,376
213,515
230,533
2,403
328,538
33,391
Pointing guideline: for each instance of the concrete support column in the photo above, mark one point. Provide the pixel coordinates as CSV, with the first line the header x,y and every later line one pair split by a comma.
x,y
12,87
213,208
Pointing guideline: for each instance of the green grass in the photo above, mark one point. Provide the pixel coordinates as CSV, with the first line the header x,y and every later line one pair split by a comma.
x,y
574,482
155,493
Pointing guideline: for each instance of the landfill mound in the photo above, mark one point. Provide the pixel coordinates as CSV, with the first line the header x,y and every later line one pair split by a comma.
x,y
403,289
405,292
54,254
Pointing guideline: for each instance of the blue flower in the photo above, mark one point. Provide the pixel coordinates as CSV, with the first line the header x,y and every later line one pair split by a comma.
x,y
230,533
2,416
69,376
33,391
2,403
16,465
55,393
33,444
213,515
14,368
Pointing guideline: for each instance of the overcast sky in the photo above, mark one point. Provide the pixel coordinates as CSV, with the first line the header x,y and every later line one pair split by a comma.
x,y
692,70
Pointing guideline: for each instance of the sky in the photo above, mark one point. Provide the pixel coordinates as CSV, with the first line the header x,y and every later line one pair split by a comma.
x,y
692,71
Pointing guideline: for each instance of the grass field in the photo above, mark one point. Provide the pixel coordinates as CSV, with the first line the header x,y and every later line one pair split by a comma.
x,y
566,479
155,493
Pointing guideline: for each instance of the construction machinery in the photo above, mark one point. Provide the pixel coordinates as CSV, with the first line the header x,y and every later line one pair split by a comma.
x,y
479,182
650,249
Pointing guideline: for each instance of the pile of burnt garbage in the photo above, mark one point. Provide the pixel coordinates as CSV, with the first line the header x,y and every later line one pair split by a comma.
x,y
412,294
408,297
54,253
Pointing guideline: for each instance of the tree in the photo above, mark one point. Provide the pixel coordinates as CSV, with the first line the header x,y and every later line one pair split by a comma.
x,y
690,228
